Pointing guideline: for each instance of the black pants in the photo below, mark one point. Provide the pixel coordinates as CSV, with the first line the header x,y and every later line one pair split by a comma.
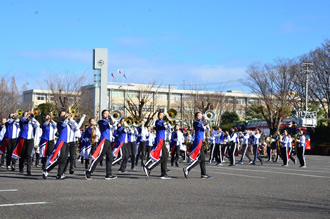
x,y
148,150
132,152
141,152
301,156
212,152
162,161
200,160
256,154
284,153
61,161
232,149
26,155
290,155
10,149
2,160
50,148
124,155
72,156
176,154
107,151
37,159
245,152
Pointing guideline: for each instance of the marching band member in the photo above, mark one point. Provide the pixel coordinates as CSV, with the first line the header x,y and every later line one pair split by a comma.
x,y
290,149
104,146
131,135
25,142
175,146
74,132
47,140
233,140
9,141
120,146
245,146
158,155
268,144
142,134
278,139
212,147
2,136
59,154
90,137
149,141
219,139
301,148
197,151
256,143
284,148
225,146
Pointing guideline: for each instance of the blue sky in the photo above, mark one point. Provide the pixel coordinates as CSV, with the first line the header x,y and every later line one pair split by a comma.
x,y
208,43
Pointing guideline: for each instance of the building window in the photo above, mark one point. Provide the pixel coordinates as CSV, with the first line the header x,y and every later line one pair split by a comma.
x,y
132,94
161,96
118,93
230,100
40,96
253,101
241,101
176,97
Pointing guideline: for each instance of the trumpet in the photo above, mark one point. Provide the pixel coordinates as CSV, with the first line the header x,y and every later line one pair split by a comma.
x,y
73,110
171,114
35,111
54,114
116,115
209,115
19,113
136,122
128,122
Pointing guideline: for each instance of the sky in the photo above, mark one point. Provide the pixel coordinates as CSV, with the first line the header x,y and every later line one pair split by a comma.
x,y
187,43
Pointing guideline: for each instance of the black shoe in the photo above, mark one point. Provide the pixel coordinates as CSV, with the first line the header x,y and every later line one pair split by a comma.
x,y
71,171
185,172
176,164
165,177
230,165
44,175
172,164
88,175
123,171
110,177
21,172
58,177
146,171
28,173
206,177
168,170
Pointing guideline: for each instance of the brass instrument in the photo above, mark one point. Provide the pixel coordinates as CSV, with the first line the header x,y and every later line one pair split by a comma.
x,y
209,115
296,143
171,114
136,122
116,115
35,111
279,145
128,122
19,113
93,136
74,111
54,114
172,123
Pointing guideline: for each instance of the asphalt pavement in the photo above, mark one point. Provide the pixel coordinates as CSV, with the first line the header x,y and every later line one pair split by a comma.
x,y
242,191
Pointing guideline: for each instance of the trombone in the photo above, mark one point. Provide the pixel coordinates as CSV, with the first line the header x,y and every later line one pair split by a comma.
x,y
54,114
36,111
19,113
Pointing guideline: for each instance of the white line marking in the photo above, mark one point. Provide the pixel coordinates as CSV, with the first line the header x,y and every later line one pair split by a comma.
x,y
9,190
232,174
28,203
285,173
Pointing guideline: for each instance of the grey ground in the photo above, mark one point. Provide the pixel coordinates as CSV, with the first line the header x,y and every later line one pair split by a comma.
x,y
243,191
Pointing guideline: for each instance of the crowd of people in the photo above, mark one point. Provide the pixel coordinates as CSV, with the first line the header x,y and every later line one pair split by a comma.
x,y
55,144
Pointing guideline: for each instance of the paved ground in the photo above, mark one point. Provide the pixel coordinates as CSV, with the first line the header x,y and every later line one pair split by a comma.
x,y
243,191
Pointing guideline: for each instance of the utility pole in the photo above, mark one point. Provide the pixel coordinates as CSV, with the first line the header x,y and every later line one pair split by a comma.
x,y
306,69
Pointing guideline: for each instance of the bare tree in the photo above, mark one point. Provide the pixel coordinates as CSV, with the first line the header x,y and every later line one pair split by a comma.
x,y
142,105
9,97
274,84
319,78
67,89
